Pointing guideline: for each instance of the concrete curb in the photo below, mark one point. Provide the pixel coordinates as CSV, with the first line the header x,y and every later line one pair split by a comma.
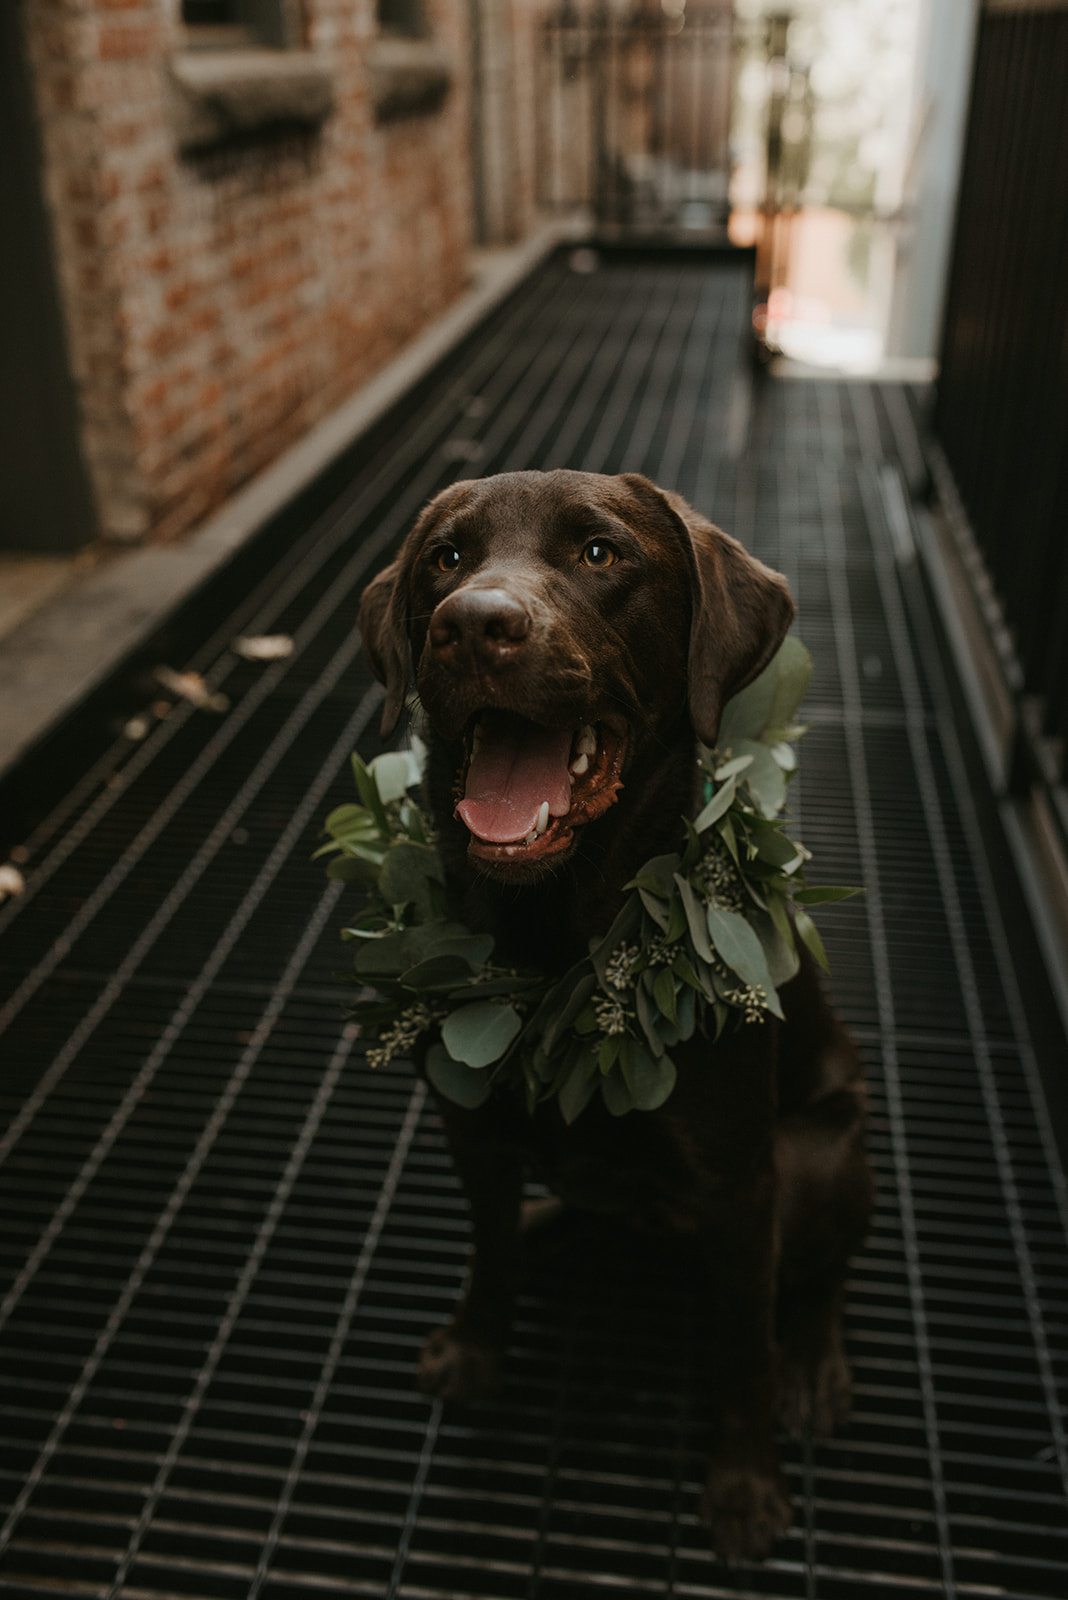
x,y
63,650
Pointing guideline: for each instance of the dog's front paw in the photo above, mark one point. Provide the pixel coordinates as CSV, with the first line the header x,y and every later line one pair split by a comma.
x,y
747,1510
454,1368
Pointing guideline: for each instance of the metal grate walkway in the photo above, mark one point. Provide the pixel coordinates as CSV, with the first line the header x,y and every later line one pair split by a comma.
x,y
224,1239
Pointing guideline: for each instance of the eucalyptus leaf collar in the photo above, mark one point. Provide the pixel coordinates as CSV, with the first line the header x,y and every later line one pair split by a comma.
x,y
704,940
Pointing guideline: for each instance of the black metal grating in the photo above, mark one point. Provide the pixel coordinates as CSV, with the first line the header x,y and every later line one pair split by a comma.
x,y
224,1239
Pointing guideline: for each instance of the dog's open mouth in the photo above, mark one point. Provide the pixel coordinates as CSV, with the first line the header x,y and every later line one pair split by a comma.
x,y
525,789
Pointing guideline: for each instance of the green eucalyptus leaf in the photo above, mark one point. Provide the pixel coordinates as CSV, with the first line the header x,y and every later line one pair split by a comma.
x,y
688,1011
726,831
395,952
694,848
352,869
473,948
573,1006
480,1033
793,674
387,956
824,895
608,1052
407,873
457,1082
720,802
664,993
650,1080
368,791
732,768
579,1087
695,977
657,876
656,908
676,922
615,1091
780,952
808,931
353,824
779,850
764,779
439,972
648,1018
771,700
695,918
777,911
739,947
586,1021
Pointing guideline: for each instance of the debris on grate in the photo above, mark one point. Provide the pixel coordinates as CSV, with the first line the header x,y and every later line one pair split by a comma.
x,y
191,686
584,261
462,450
263,646
11,880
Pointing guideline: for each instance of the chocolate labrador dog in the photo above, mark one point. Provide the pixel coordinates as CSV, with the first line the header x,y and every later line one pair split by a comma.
x,y
571,636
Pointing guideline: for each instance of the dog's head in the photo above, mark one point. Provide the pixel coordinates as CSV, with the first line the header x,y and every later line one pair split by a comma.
x,y
554,623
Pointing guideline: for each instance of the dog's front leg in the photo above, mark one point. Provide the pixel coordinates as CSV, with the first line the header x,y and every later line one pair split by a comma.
x,y
462,1361
745,1501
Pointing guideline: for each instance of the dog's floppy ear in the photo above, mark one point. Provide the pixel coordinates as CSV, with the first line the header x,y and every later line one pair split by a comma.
x,y
384,608
742,611
385,639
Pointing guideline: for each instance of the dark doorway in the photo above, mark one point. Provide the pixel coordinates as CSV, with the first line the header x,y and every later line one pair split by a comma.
x,y
45,499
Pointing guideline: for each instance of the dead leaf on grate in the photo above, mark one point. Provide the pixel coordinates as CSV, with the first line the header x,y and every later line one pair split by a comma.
x,y
11,880
263,646
462,450
191,686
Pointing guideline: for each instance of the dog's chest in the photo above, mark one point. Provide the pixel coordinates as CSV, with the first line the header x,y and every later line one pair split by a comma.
x,y
637,1167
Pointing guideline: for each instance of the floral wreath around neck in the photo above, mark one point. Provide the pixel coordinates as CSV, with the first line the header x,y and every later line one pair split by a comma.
x,y
704,940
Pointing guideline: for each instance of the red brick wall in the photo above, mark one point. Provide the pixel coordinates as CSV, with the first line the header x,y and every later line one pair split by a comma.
x,y
219,306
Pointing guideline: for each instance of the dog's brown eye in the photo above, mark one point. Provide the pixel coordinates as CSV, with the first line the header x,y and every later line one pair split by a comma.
x,y
448,559
597,554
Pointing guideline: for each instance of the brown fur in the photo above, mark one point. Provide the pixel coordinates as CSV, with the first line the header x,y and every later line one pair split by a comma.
x,y
759,1152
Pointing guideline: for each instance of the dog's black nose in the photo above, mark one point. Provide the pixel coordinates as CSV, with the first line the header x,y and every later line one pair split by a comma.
x,y
478,623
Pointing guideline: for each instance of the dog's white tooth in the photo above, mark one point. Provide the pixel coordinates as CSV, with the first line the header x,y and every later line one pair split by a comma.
x,y
476,739
580,765
543,817
531,836
587,741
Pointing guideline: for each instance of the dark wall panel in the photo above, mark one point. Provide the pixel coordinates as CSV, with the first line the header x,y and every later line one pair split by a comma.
x,y
1002,412
45,502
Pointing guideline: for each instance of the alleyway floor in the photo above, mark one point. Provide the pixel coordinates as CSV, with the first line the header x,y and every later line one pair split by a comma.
x,y
224,1238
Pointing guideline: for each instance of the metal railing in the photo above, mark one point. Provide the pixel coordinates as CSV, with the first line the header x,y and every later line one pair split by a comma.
x,y
1002,411
635,111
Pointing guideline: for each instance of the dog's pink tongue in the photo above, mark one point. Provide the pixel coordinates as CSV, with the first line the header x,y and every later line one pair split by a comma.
x,y
511,775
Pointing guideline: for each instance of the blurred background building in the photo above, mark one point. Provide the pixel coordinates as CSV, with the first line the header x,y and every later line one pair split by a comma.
x,y
236,211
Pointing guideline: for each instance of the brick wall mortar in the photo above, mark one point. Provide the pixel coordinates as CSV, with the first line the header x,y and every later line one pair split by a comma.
x,y
219,306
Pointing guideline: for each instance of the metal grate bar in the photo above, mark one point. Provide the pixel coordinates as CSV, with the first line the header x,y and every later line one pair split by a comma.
x,y
858,772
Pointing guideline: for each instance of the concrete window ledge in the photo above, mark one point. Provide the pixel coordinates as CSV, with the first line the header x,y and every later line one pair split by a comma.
x,y
222,94
407,77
